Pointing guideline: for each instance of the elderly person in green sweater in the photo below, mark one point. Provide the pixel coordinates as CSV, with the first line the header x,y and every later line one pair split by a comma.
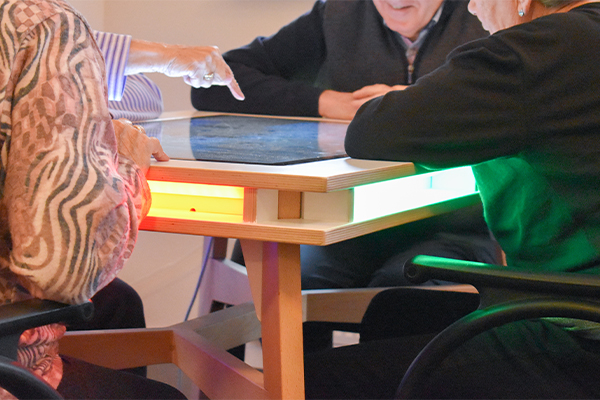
x,y
523,108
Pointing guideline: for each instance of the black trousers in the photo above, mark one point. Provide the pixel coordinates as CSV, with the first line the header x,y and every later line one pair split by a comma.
x,y
526,359
116,306
82,380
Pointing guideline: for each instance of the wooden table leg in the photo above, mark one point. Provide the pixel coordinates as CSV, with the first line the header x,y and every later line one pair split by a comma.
x,y
282,321
281,317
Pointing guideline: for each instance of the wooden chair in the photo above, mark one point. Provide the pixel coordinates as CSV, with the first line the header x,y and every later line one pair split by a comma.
x,y
194,346
222,282
198,347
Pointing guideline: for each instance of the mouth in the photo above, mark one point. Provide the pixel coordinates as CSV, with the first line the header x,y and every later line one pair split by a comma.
x,y
399,7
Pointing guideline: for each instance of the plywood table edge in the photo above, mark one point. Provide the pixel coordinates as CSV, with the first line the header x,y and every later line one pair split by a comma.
x,y
301,231
299,178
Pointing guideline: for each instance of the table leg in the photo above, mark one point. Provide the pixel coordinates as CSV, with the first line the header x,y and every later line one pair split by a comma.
x,y
281,317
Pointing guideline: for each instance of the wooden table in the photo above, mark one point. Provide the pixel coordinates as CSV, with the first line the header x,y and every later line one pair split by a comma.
x,y
276,209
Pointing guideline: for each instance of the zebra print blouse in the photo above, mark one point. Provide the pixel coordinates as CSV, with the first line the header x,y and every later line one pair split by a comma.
x,y
69,205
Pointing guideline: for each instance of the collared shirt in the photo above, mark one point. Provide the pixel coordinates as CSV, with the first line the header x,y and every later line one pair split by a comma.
x,y
134,97
412,48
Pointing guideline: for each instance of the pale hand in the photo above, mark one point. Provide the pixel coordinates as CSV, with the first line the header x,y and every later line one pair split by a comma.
x,y
133,143
338,105
372,91
341,105
199,66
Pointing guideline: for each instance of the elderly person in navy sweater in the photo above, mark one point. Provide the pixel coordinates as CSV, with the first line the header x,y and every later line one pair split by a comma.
x,y
329,62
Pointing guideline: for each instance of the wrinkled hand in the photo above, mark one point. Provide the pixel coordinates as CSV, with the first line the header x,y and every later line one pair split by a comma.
x,y
199,66
342,105
338,105
133,143
196,64
372,91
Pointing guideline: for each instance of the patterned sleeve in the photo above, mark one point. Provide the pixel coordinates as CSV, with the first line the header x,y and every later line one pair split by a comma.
x,y
74,205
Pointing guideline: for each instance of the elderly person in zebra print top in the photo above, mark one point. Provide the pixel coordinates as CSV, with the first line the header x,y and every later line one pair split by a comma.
x,y
72,181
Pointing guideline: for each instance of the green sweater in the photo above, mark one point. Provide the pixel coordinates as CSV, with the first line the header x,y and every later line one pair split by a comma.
x,y
523,108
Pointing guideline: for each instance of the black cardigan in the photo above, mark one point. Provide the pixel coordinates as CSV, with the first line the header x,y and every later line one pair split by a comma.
x,y
523,107
341,45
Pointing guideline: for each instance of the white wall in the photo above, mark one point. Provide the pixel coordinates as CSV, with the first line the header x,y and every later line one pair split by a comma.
x,y
164,268
93,10
223,23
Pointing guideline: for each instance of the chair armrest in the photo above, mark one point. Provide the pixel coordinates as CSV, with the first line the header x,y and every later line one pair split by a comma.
x,y
507,294
15,318
480,275
20,316
23,384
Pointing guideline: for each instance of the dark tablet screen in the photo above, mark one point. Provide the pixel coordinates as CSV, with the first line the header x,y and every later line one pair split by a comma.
x,y
250,139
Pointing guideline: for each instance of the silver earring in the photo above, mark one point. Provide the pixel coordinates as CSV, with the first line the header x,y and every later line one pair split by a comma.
x,y
521,13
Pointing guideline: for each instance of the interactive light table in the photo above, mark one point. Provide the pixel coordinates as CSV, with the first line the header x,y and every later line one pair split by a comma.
x,y
276,183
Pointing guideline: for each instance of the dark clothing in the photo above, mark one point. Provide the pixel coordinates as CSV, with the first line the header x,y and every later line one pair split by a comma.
x,y
428,312
116,306
82,380
526,359
344,46
341,45
522,107
377,259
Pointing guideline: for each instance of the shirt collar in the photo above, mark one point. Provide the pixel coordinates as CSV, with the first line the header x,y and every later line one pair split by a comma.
x,y
417,43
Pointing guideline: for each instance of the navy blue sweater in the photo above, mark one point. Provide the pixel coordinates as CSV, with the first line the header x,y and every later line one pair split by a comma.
x,y
341,45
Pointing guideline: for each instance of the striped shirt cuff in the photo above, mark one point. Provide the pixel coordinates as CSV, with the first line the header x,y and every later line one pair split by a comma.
x,y
115,49
141,100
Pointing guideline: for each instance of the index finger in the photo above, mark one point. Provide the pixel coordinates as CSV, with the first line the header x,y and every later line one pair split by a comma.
x,y
235,90
156,149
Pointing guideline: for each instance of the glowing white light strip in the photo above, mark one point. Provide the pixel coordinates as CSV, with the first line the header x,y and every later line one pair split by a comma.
x,y
397,195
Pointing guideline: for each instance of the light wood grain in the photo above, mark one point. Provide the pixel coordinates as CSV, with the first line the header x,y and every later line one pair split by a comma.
x,y
349,305
282,321
189,345
250,204
289,205
300,231
320,176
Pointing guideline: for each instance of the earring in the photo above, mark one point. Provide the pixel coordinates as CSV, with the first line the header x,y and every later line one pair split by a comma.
x,y
521,13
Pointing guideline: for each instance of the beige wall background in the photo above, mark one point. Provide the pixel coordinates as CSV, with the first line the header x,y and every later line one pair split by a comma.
x,y
223,23
164,268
